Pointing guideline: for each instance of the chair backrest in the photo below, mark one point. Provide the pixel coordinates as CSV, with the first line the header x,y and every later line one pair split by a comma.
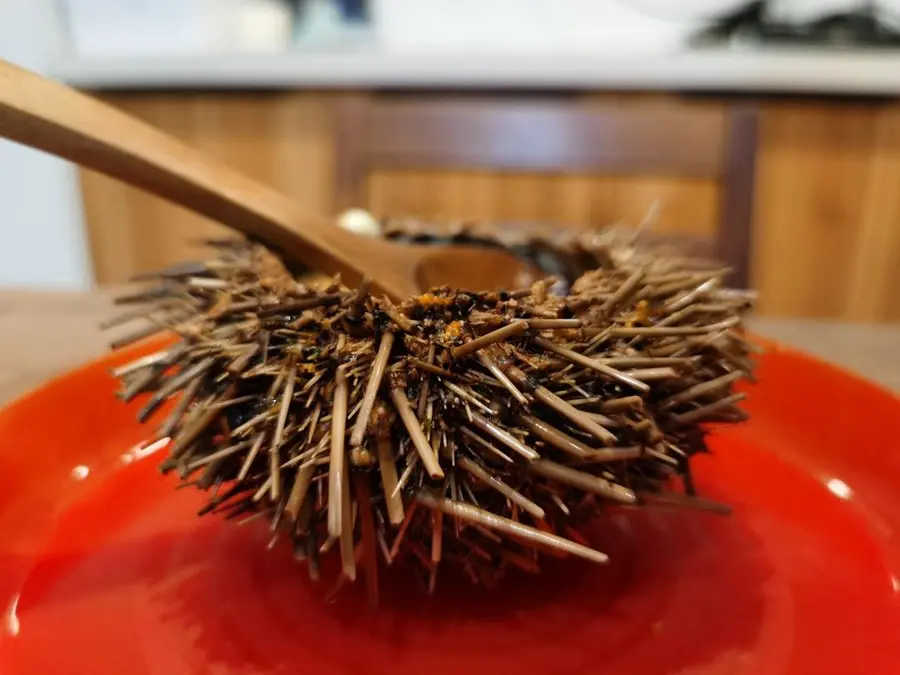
x,y
536,135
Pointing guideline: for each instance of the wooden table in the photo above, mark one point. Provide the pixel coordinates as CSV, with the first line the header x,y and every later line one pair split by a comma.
x,y
45,333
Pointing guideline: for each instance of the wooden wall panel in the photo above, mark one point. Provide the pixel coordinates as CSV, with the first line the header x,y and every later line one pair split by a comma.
x,y
810,190
874,286
827,234
687,205
283,139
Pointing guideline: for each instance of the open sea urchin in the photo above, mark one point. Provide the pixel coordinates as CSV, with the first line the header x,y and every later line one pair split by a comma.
x,y
468,428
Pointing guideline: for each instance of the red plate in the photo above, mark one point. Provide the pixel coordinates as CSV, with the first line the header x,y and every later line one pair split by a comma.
x,y
105,569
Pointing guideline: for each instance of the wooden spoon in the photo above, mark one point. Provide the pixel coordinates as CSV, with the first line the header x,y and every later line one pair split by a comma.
x,y
52,117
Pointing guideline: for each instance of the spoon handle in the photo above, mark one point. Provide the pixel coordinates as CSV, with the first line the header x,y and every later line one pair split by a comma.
x,y
52,117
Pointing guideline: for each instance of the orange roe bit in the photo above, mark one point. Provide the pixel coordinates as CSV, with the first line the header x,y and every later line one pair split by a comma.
x,y
432,300
641,315
453,330
642,312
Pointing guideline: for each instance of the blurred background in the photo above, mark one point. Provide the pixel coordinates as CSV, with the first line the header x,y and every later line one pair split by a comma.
x,y
807,192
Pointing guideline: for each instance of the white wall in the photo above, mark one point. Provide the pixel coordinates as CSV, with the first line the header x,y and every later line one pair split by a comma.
x,y
42,238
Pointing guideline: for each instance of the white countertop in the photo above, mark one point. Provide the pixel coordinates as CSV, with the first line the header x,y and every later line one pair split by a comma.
x,y
801,71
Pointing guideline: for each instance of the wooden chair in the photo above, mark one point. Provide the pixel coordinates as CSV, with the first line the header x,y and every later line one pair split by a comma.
x,y
403,132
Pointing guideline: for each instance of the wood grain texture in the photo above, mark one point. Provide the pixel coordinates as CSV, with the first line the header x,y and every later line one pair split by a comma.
x,y
571,160
874,285
553,134
578,199
597,147
688,205
827,236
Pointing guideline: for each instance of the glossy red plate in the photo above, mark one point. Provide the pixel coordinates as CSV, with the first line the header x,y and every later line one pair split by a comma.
x,y
105,569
